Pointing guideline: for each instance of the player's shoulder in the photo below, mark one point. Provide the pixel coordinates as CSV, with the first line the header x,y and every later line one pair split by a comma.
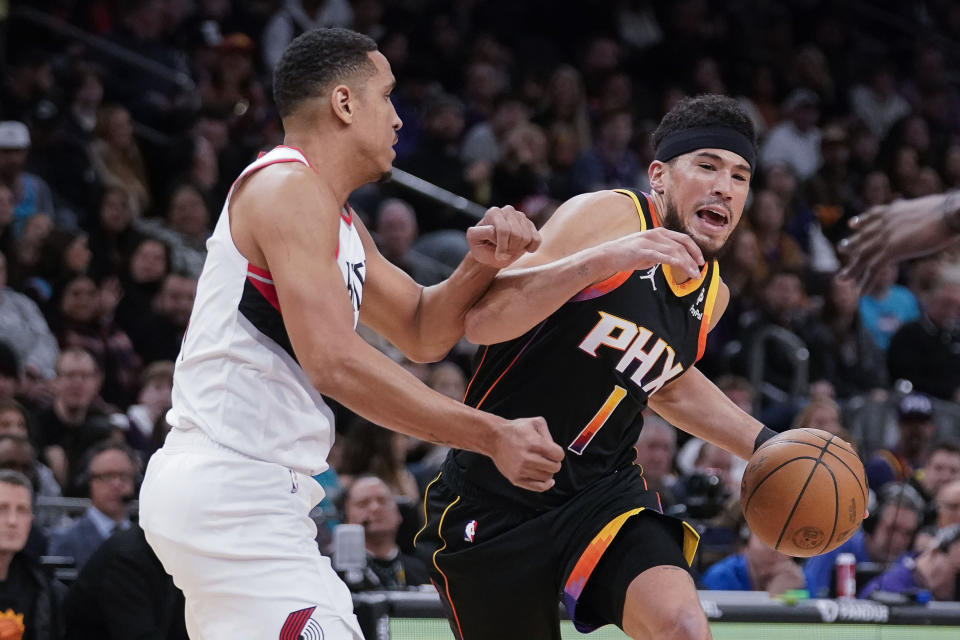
x,y
606,212
279,182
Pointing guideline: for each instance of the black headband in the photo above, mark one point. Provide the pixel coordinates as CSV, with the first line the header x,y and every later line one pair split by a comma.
x,y
677,143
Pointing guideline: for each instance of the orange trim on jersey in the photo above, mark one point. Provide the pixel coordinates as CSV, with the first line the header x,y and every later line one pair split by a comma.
x,y
653,211
708,311
689,286
636,203
512,362
446,583
482,358
602,287
426,520
588,560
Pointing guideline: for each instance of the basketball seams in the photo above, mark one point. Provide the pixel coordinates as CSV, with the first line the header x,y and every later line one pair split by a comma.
x,y
863,493
800,494
836,507
756,489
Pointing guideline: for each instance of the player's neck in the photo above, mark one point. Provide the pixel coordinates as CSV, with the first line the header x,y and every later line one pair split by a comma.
x,y
332,158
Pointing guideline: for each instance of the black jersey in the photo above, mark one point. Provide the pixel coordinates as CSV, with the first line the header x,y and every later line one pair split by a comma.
x,y
589,368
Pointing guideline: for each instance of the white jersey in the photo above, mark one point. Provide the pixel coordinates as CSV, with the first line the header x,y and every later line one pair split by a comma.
x,y
237,379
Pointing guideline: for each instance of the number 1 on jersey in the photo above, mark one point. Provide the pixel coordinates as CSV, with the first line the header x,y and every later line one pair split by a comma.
x,y
584,437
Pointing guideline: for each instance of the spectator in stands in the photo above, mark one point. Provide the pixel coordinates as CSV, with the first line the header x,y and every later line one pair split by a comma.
x,y
822,413
886,534
427,458
484,141
75,420
28,83
927,351
369,502
24,328
777,249
523,172
782,304
233,86
140,27
757,568
395,232
915,436
84,321
842,353
795,141
656,447
30,192
158,335
9,372
947,504
184,229
124,592
437,156
25,589
942,467
143,276
116,156
13,423
113,238
369,449
148,425
887,306
935,569
876,102
109,478
610,162
293,17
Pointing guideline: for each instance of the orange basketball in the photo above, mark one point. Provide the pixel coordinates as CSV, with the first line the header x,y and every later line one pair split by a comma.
x,y
804,492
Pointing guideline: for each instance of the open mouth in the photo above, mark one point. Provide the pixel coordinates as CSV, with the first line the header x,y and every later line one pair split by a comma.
x,y
713,216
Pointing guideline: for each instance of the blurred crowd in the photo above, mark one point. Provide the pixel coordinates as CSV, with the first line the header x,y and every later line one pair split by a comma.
x,y
117,151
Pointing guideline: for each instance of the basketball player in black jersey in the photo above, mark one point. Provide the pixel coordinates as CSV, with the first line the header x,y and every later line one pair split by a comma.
x,y
608,316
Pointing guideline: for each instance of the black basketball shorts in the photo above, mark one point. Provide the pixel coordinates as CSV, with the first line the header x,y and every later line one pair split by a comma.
x,y
501,568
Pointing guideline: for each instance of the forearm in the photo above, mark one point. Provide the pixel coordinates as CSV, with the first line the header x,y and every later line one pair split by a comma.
x,y
950,211
521,298
697,406
441,313
373,386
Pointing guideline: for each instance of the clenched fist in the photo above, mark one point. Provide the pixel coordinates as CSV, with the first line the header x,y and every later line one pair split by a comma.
x,y
502,235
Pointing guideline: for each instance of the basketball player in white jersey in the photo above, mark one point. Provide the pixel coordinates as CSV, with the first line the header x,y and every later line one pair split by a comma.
x,y
225,503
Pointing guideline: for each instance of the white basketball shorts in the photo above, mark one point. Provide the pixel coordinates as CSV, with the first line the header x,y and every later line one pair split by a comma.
x,y
234,533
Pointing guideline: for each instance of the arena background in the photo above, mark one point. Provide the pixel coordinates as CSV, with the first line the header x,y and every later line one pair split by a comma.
x,y
504,102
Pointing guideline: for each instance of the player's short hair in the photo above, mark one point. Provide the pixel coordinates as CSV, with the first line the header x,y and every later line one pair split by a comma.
x,y
316,59
710,110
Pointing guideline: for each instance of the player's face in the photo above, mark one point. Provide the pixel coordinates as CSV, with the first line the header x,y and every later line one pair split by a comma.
x,y
379,121
704,192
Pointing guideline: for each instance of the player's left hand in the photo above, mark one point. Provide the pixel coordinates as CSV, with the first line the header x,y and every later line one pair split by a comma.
x,y
502,235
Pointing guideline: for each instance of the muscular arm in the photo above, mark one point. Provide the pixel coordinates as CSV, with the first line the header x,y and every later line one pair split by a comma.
x,y
425,322
588,239
696,405
298,244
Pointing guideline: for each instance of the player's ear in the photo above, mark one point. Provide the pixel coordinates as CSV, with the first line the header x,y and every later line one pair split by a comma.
x,y
655,173
343,104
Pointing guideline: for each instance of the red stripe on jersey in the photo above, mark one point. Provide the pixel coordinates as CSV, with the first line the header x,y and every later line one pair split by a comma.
x,y
267,290
349,217
300,151
258,271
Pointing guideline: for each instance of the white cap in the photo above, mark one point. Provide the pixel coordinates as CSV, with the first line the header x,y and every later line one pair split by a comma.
x,y
14,135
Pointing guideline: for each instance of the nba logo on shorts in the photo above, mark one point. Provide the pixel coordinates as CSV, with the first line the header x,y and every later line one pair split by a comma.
x,y
300,626
470,531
